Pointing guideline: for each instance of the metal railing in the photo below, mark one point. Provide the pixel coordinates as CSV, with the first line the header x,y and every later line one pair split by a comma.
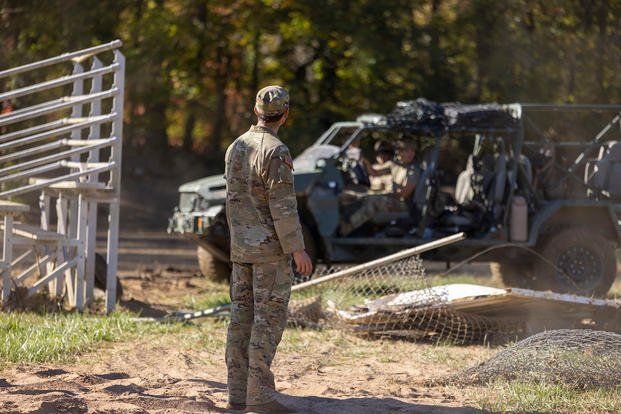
x,y
67,145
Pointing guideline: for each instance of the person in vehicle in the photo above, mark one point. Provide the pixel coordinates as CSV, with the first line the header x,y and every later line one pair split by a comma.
x,y
404,174
382,181
357,165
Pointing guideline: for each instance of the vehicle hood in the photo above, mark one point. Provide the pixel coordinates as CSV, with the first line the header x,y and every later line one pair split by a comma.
x,y
213,186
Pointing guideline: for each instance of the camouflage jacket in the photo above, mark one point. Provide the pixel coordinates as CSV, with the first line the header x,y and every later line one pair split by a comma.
x,y
402,175
260,201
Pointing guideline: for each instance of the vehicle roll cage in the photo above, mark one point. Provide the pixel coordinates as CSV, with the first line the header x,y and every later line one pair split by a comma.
x,y
513,116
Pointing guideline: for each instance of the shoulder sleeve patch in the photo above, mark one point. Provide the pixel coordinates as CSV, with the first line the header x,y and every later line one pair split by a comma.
x,y
286,159
280,166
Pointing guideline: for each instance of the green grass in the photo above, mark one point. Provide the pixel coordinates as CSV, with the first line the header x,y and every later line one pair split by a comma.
x,y
301,340
547,398
38,338
208,333
216,294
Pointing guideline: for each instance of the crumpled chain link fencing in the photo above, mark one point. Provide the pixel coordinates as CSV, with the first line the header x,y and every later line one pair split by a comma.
x,y
395,300
580,358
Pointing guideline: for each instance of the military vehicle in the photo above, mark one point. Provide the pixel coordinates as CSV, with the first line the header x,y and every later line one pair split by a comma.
x,y
543,211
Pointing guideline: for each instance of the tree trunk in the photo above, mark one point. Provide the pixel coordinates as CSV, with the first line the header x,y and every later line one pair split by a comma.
x,y
222,76
602,26
188,129
254,79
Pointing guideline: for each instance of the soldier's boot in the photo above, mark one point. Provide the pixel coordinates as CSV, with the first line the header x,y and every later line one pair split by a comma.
x,y
272,407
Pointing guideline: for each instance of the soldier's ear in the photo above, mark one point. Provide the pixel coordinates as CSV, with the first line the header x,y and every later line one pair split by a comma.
x,y
284,117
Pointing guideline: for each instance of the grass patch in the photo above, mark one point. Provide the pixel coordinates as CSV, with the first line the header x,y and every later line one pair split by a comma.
x,y
548,398
38,338
217,294
209,334
297,340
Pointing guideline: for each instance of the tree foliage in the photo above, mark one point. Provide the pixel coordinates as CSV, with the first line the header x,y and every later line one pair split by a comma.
x,y
195,65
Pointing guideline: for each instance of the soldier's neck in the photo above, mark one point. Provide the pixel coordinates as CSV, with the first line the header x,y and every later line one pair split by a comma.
x,y
273,126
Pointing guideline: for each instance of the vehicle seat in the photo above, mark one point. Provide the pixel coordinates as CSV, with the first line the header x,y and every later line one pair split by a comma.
x,y
607,172
526,167
463,188
480,187
428,168
497,190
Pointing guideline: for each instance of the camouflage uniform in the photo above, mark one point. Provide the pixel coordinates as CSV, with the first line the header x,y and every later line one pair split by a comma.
x,y
265,229
401,176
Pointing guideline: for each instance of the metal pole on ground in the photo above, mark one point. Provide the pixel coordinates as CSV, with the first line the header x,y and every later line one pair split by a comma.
x,y
184,316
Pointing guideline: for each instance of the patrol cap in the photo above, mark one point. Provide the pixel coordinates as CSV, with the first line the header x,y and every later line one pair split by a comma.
x,y
272,100
383,147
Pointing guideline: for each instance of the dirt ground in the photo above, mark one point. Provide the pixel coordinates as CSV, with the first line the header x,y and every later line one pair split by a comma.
x,y
316,372
313,369
163,376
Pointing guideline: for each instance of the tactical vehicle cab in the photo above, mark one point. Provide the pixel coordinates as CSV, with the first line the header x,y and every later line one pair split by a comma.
x,y
546,212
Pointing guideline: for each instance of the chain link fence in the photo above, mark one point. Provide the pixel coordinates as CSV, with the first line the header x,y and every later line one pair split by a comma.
x,y
391,298
579,358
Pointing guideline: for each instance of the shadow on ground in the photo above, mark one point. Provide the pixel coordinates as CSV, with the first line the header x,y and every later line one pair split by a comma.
x,y
366,405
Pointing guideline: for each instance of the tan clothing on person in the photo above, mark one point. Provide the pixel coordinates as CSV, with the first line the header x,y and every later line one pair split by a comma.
x,y
259,296
401,176
261,204
382,183
265,229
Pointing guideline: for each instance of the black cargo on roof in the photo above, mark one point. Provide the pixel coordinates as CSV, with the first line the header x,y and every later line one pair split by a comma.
x,y
431,117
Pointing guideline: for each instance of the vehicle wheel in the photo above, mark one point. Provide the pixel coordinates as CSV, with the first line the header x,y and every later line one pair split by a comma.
x,y
311,250
513,274
577,261
212,268
101,276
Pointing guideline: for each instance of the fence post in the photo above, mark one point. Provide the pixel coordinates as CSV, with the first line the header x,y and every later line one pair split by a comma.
x,y
93,156
115,183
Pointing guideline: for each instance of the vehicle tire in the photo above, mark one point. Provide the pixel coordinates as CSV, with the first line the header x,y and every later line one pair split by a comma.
x,y
101,276
311,250
578,261
212,268
513,274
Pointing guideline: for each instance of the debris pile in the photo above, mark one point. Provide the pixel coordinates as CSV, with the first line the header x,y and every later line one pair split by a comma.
x,y
306,313
467,313
392,297
579,358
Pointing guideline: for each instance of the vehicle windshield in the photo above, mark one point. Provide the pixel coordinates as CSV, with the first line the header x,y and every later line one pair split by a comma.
x,y
328,145
308,159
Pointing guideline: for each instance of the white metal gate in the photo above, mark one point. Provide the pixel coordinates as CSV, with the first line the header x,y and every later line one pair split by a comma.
x,y
61,137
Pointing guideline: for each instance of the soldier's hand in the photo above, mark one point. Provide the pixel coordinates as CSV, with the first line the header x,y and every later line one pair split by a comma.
x,y
303,263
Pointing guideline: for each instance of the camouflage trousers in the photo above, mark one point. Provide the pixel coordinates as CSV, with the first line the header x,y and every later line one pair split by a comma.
x,y
372,204
259,298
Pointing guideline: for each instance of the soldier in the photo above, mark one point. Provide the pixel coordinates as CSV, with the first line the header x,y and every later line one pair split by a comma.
x,y
404,175
265,232
379,172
